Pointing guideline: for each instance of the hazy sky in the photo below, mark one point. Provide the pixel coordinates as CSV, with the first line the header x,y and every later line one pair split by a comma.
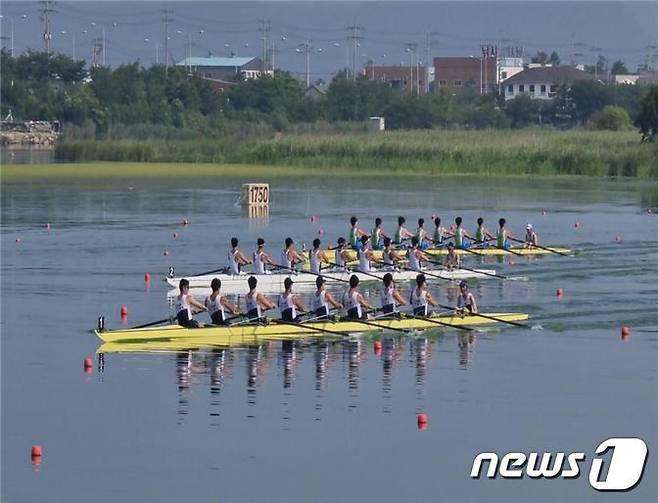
x,y
622,30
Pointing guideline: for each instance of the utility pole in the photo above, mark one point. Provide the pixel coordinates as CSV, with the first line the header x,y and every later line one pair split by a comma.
x,y
103,38
411,49
355,37
265,27
10,37
166,19
46,10
429,63
307,48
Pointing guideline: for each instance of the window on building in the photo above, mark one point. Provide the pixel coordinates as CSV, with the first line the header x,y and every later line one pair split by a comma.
x,y
532,88
542,88
207,75
521,88
510,88
443,82
503,75
553,88
457,83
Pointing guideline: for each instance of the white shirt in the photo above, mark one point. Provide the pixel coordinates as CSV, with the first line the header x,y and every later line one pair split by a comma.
x,y
339,257
259,265
214,305
418,299
285,261
252,303
314,259
387,296
319,300
286,302
351,301
183,305
232,262
364,263
414,263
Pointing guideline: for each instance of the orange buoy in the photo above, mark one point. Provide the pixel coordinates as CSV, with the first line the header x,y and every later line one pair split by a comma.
x,y
147,277
559,292
37,451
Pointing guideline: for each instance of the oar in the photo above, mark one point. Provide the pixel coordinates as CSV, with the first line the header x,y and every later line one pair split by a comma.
x,y
222,269
376,325
540,247
474,270
310,272
293,324
493,318
436,322
347,269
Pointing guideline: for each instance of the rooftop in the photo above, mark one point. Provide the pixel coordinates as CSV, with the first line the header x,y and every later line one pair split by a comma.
x,y
215,61
555,74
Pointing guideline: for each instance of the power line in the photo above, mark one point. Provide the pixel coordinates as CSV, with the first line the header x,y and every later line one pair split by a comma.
x,y
355,36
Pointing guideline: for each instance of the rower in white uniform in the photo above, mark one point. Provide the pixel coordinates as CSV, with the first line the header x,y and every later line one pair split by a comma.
x,y
341,253
216,304
365,254
289,303
256,301
321,300
261,258
421,298
452,261
390,257
415,256
236,259
184,304
466,301
316,256
391,298
354,301
531,239
289,256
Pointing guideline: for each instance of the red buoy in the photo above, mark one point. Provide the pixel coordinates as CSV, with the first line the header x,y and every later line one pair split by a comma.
x,y
18,240
88,365
576,225
124,310
559,292
166,253
37,451
617,237
625,333
377,346
147,277
422,421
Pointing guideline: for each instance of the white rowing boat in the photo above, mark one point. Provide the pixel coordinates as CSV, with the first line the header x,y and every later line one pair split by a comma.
x,y
274,282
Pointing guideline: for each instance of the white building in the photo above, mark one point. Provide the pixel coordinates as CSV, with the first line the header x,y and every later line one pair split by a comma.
x,y
542,82
508,67
224,68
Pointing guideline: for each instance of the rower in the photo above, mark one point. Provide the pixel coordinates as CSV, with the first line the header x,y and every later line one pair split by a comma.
x,y
355,233
415,256
460,235
289,256
316,256
184,304
289,303
421,235
322,299
421,297
389,255
482,234
439,233
502,235
236,258
342,254
261,259
465,301
364,254
256,301
452,261
378,235
216,302
353,301
391,298
402,233
531,238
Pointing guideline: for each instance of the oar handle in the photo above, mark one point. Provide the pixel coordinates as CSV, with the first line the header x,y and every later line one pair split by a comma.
x,y
500,320
540,247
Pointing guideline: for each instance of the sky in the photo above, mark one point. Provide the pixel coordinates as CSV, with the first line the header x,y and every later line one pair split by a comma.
x,y
135,30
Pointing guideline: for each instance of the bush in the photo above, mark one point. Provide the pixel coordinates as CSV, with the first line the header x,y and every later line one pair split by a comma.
x,y
612,118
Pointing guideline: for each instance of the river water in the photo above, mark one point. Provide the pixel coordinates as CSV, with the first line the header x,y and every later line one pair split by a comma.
x,y
320,420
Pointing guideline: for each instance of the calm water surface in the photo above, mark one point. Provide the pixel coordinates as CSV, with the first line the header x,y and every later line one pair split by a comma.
x,y
319,420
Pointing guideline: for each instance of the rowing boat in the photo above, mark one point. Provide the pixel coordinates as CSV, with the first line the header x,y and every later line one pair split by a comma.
x,y
490,251
274,282
313,329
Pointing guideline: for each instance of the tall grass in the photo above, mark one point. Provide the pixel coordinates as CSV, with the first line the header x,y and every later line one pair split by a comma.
x,y
527,152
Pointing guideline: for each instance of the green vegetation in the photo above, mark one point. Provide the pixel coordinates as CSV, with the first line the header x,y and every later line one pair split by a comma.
x,y
647,120
612,118
528,152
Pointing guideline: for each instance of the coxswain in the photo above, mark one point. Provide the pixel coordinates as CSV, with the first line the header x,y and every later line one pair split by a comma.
x,y
482,234
389,255
453,260
341,253
439,233
353,300
365,254
289,303
502,235
236,258
316,256
402,233
391,298
531,238
465,301
378,235
460,235
421,235
421,298
416,256
215,304
289,256
184,304
256,301
321,300
261,259
355,233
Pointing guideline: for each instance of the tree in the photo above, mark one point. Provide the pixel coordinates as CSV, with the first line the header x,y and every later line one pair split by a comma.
x,y
523,111
647,121
619,68
540,58
588,97
554,59
612,118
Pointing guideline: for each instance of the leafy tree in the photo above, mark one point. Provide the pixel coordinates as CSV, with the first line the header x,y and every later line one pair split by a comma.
x,y
554,59
523,111
588,97
619,68
612,118
647,121
541,58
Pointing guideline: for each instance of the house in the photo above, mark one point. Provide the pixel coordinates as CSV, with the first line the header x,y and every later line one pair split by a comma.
x,y
314,92
459,73
508,67
626,78
542,82
224,68
399,77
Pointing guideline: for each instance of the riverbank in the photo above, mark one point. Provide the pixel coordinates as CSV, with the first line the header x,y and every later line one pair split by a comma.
x,y
526,152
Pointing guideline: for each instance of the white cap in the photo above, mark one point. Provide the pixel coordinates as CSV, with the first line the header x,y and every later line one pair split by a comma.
x,y
529,226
